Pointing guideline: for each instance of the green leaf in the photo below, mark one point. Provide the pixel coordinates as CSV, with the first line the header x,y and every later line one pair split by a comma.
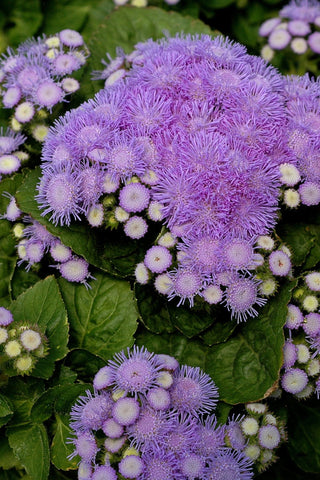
x,y
298,238
22,394
219,332
127,26
7,458
25,18
247,365
22,280
304,434
85,363
6,410
59,448
42,305
189,352
30,445
189,321
103,319
60,398
153,309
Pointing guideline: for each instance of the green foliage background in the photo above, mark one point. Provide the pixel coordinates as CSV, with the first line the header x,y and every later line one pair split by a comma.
x,y
86,327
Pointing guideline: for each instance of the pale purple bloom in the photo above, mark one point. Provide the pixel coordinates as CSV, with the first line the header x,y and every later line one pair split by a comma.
x,y
135,372
294,380
269,436
268,26
299,28
134,197
193,391
290,354
311,324
310,193
158,259
6,317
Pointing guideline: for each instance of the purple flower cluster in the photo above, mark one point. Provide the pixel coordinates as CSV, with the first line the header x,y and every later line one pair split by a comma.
x,y
36,75
10,156
151,419
296,27
193,137
21,345
301,351
35,241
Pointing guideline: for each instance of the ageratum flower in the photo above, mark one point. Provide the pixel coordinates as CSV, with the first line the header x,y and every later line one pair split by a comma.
x,y
192,136
154,436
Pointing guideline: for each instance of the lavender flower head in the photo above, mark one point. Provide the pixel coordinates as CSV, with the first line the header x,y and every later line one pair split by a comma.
x,y
134,413
192,136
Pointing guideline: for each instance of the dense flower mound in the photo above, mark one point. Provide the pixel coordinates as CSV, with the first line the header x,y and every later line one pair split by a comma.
x,y
37,76
192,136
145,420
21,345
295,29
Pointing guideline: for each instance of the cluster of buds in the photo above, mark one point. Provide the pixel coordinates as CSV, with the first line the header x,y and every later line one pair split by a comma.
x,y
263,433
275,261
21,345
150,418
296,29
301,351
35,77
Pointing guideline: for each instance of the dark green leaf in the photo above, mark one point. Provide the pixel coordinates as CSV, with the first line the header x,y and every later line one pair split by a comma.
x,y
59,448
247,365
153,309
299,239
64,395
219,332
30,445
304,435
22,394
190,321
103,319
189,352
25,18
7,458
42,305
85,363
22,280
6,410
127,26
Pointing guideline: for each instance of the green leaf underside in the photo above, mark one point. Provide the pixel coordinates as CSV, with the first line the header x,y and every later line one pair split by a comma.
x,y
59,448
30,445
103,319
42,305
